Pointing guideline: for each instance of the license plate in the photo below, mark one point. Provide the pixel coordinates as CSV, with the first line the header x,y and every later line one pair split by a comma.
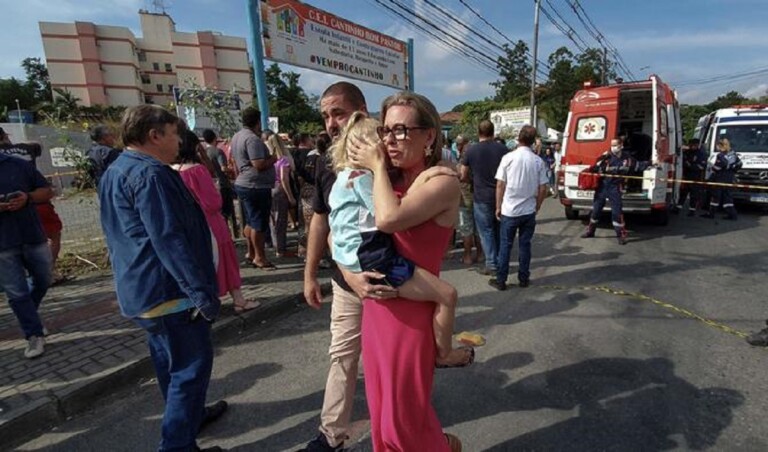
x,y
761,199
585,194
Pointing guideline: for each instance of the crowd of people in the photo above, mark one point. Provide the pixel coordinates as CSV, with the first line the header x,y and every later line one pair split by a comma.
x,y
382,198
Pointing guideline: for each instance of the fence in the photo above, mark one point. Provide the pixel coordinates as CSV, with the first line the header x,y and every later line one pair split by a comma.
x,y
79,213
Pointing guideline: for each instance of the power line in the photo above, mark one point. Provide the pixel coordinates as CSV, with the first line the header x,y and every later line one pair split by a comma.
x,y
601,39
457,43
745,75
487,45
438,40
485,21
495,45
456,40
571,32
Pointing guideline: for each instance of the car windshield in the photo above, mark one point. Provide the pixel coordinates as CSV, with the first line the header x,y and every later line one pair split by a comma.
x,y
746,138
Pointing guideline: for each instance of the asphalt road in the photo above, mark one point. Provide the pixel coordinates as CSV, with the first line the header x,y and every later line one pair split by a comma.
x,y
569,365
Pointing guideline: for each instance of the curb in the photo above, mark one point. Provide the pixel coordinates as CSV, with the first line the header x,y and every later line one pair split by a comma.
x,y
49,412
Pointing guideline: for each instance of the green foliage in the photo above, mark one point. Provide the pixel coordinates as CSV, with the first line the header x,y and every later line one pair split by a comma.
x,y
289,102
12,89
73,154
729,99
38,79
515,72
476,111
212,103
689,117
62,109
567,74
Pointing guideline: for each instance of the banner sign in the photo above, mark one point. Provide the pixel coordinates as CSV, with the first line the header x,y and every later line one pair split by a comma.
x,y
302,35
508,123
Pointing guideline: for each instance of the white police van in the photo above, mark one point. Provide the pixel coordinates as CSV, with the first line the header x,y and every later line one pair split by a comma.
x,y
746,127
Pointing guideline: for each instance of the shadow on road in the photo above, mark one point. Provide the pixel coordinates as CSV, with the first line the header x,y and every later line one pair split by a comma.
x,y
622,404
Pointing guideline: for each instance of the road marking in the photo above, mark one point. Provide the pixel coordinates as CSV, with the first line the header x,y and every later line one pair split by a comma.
x,y
669,306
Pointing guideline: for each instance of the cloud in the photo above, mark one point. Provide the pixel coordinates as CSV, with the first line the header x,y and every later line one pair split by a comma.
x,y
23,29
457,88
757,91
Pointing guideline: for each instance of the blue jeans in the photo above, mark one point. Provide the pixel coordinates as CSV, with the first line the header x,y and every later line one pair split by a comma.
x,y
182,354
23,296
526,224
487,228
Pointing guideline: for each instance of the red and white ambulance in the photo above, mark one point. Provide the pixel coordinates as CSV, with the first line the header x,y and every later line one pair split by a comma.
x,y
648,114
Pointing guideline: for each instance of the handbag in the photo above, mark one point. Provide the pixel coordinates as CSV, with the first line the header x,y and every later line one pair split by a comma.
x,y
588,180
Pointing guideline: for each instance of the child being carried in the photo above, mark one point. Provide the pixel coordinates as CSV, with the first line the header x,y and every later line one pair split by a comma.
x,y
359,246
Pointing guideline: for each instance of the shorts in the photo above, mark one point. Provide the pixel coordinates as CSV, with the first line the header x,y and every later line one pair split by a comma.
x,y
257,206
466,226
398,272
49,219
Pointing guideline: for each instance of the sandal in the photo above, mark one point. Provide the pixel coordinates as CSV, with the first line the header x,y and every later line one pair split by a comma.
x,y
269,266
468,363
249,305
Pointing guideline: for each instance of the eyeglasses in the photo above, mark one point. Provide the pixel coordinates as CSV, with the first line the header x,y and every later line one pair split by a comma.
x,y
400,131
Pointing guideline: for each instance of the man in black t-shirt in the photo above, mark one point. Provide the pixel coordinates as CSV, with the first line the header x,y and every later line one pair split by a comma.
x,y
482,160
337,104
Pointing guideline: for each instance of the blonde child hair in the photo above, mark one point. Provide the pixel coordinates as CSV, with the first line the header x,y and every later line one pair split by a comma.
x,y
359,126
724,144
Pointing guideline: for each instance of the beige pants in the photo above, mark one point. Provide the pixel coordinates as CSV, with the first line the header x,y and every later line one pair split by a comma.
x,y
346,320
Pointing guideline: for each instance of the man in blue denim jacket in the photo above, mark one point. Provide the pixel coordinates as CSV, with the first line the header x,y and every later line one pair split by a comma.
x,y
161,254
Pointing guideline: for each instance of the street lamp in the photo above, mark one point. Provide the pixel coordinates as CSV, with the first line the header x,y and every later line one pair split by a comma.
x,y
18,110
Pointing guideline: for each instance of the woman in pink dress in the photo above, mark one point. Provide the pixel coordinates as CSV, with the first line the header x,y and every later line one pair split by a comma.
x,y
198,179
398,341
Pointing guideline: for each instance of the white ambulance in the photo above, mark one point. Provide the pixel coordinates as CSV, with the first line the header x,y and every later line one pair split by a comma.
x,y
746,127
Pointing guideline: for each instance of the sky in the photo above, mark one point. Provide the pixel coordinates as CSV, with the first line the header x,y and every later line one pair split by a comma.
x,y
685,42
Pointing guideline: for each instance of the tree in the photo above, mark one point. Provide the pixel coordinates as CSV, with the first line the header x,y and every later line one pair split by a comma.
x,y
38,78
515,72
727,100
557,92
214,104
12,89
63,108
590,66
475,111
288,101
689,118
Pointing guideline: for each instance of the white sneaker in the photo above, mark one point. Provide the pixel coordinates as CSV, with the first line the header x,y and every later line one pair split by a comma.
x,y
35,347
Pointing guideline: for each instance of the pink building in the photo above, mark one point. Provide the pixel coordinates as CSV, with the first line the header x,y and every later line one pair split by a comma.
x,y
107,65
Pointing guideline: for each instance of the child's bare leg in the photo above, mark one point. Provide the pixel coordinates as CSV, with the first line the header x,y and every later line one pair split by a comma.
x,y
424,286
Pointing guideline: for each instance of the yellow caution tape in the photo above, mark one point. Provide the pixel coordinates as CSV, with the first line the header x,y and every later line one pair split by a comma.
x,y
638,296
685,181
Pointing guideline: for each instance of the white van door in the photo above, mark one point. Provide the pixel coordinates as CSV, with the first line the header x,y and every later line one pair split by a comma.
x,y
655,179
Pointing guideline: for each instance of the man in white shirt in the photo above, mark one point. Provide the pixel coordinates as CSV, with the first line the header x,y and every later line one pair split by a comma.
x,y
521,186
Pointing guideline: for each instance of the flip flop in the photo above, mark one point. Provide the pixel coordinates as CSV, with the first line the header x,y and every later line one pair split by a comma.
x,y
468,363
249,305
471,339
268,267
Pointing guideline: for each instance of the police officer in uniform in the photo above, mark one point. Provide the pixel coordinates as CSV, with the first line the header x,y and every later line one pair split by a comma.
x,y
727,163
694,166
616,162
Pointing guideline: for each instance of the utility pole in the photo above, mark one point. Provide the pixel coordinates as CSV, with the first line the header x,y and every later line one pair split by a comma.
x,y
535,60
605,66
